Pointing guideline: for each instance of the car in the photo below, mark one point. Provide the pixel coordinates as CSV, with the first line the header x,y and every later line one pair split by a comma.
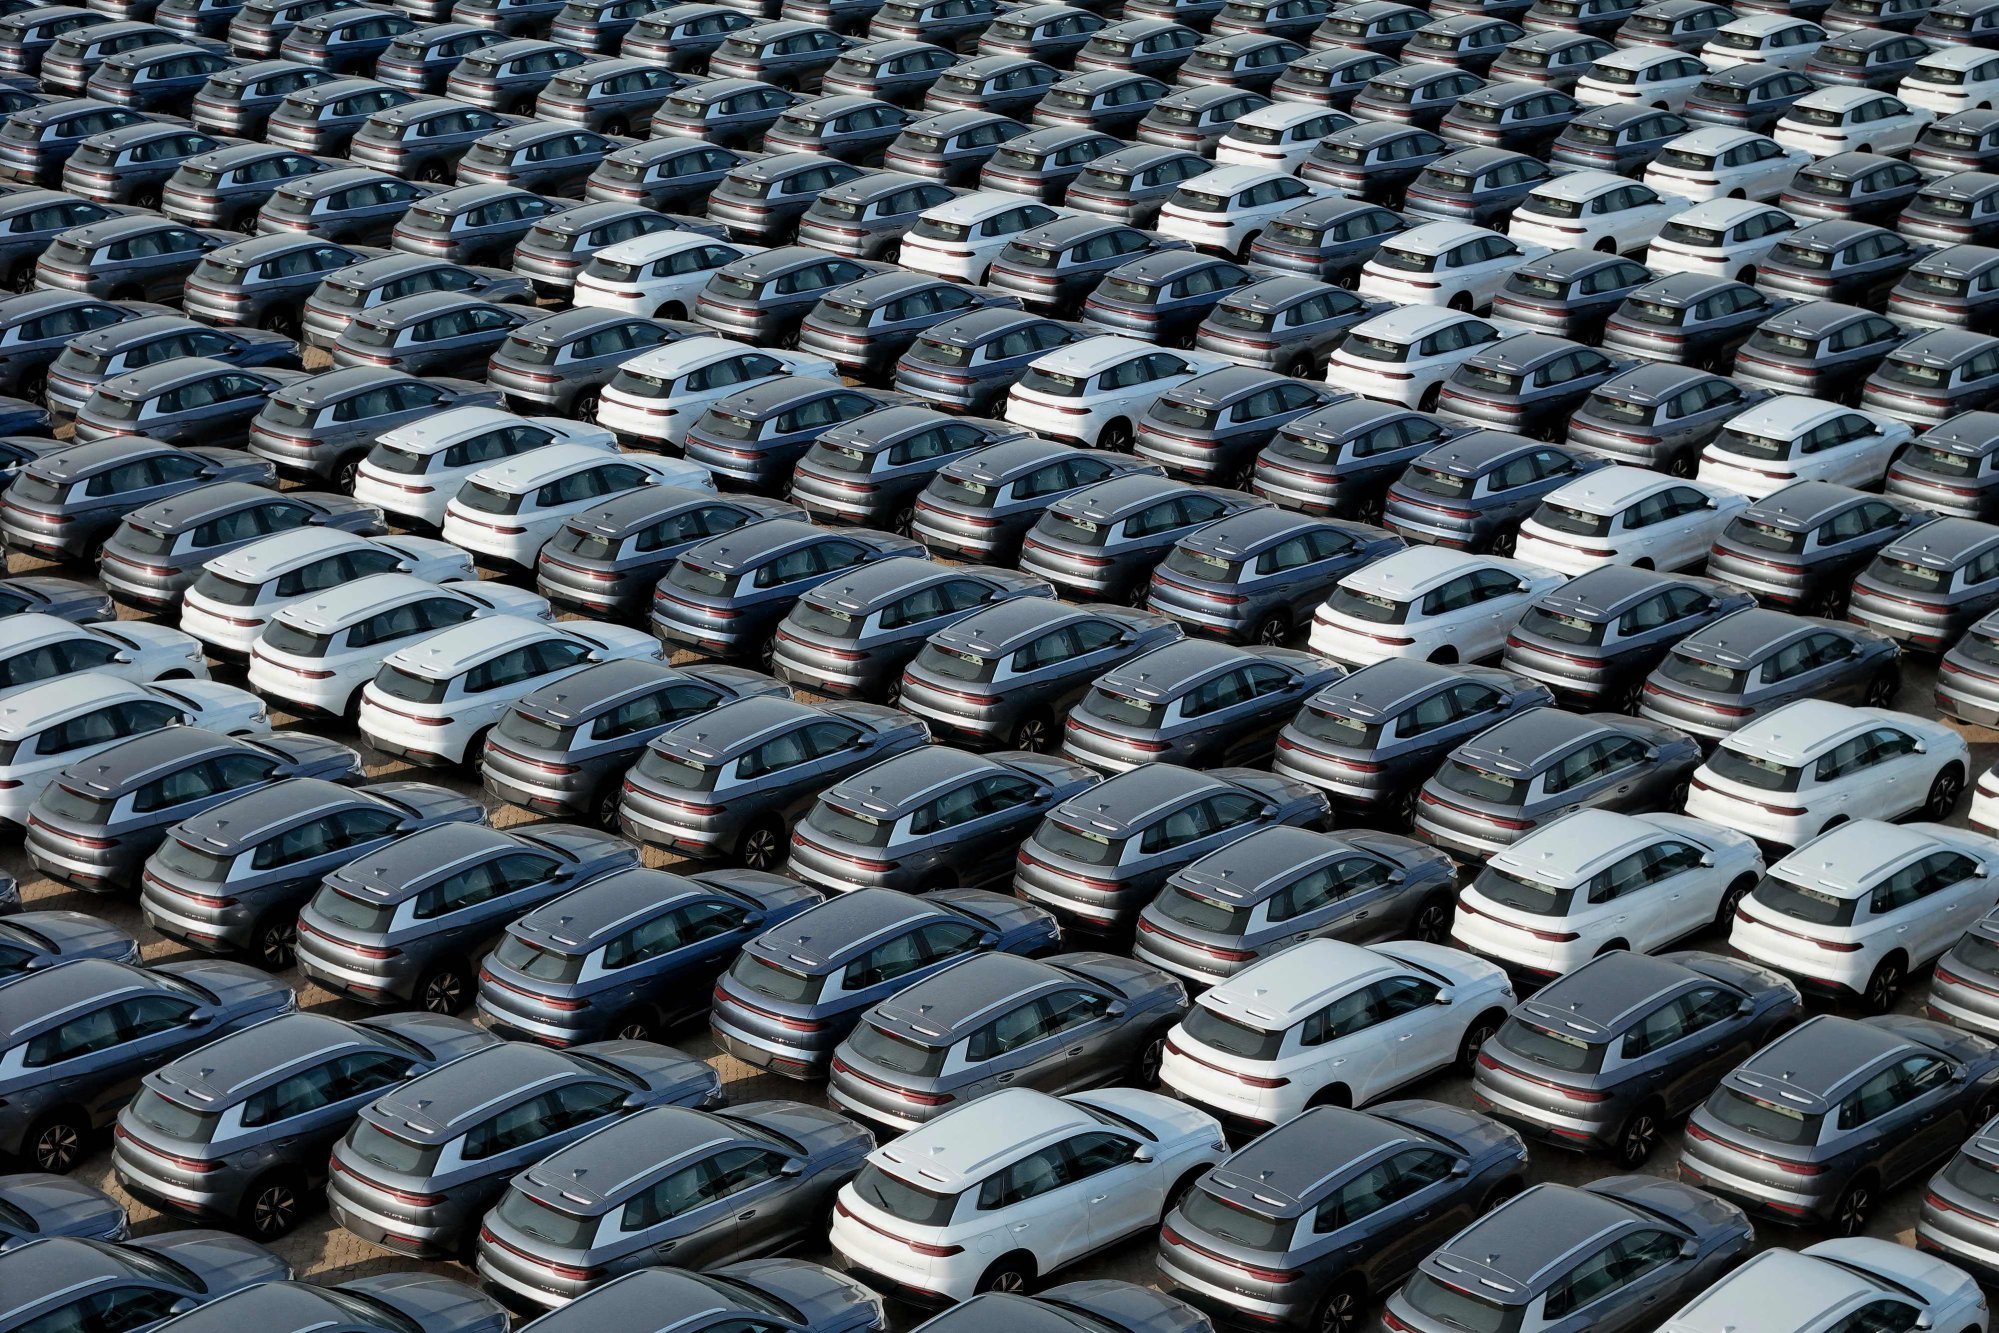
x,y
1962,141
1373,161
1281,135
764,298
1590,210
133,1281
763,200
1104,542
726,113
1951,21
865,327
36,217
872,215
157,78
1445,605
1447,264
324,114
1690,318
1779,39
1835,121
79,53
321,427
39,647
901,447
41,138
81,603
1139,1148
1226,209
275,1096
958,237
1958,992
1934,376
1771,445
41,1206
1163,297
799,1297
421,60
35,942
1577,1258
1092,391
1570,293
1657,415
1926,587
1341,1202
505,511
654,397
848,126
93,357
1418,95
1953,210
1608,1056
357,205
182,401
1748,96
561,363
64,505
366,1304
897,70
1848,1278
1626,515
1948,288
1282,563
1053,267
1310,1027
1527,385
473,224
1260,895
982,505
1288,324
1716,162
436,333
507,76
605,560
132,256
1059,1025
1472,490
1624,139
1943,468
1856,1093
512,1105
658,274
1756,660
1213,426
1428,341
1802,546
1009,85
1327,238
547,156
1819,349
672,172
1552,59
1864,187
87,1030
1523,118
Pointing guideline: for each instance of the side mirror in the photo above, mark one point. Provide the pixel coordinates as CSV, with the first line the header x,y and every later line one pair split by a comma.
x,y
1117,1009
201,1017
1690,1249
1983,871
1922,748
792,1167
1707,860
1443,997
989,939
1269,810
1397,876
121,657
1460,1168
183,1305
1745,1006
1141,1154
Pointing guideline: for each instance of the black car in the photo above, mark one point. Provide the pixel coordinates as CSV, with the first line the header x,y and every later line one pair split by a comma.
x,y
894,69
1837,260
1866,58
1747,97
1822,349
1594,640
1374,161
1132,183
1690,318
1372,25
1658,415
1463,41
1342,459
1861,187
1570,293
1474,185
1800,548
1623,139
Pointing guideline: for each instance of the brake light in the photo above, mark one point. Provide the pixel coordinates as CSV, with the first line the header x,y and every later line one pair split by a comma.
x,y
1573,1094
1274,1276
1249,1080
194,1164
1695,1132
921,1247
400,1196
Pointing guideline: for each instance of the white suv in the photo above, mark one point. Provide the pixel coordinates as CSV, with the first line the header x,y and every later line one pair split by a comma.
x,y
1598,880
1444,263
1004,1190
1091,392
1326,1022
1855,911
1429,602
1404,355
656,274
413,471
1626,515
508,511
657,395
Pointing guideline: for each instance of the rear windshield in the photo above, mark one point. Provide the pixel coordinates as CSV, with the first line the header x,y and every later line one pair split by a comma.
x,y
1524,895
1226,1034
1702,675
1110,706
1481,784
410,687
900,1199
1766,1120
779,983
1558,628
954,665
226,591
60,799
681,774
1460,1309
1978,1179
1219,1217
1801,903
1326,725
1765,536
1367,606
286,638
850,826
563,1230
1753,770
898,1053
192,862
531,960
179,1123
1091,849
1191,909
1549,1048
1569,519
372,1143
354,913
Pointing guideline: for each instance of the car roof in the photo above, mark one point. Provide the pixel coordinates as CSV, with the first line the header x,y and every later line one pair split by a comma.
x,y
1122,803
241,820
1943,543
1519,1242
1413,571
29,711
1775,1286
955,1150
266,557
450,651
1744,636
1606,590
1847,861
1410,323
44,994
1281,989
586,917
132,762
895,786
430,1107
1519,744
1594,1001
1784,416
215,1072
944,1007
1568,850
538,467
1820,1055
342,605
1282,1171
1608,490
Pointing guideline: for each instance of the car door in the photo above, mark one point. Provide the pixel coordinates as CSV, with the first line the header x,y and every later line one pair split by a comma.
x,y
1120,1188
1924,1118
1040,1206
98,1057
1679,898
1347,899
1953,895
1689,1043
769,1209
306,1111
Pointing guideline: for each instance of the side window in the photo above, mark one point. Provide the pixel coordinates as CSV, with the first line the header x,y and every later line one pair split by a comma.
x,y
1028,1178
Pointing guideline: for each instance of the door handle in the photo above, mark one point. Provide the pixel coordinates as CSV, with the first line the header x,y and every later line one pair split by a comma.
x,y
746,1214
1019,1226
1075,1050
1004,1078
1098,1198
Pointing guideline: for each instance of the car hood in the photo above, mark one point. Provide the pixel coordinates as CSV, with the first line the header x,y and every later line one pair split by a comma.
x,y
223,1262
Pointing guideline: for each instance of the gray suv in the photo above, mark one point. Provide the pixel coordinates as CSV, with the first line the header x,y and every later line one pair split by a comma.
x,y
668,1183
421,1163
405,924
241,1128
1608,1057
1746,664
1059,1025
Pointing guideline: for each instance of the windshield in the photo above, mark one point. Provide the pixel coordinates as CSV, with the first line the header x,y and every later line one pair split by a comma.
x,y
1481,784
1091,849
898,1053
1461,1309
900,1199
1704,675
1523,895
1370,607
1559,628
399,683
1226,1034
179,1123
1191,909
1805,904
354,913
1219,1217
1764,1120
192,863
372,1143
1549,1048
531,960
1753,770
561,1229
779,983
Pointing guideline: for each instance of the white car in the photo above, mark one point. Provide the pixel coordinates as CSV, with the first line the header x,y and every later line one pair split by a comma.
x,y
1838,1286
1326,1022
1985,802
316,655
1429,602
1846,120
1626,515
1855,911
1715,162
508,510
1279,136
1404,355
1781,41
658,394
1010,1187
47,727
656,274
1792,438
1799,770
36,648
1092,391
1652,76
1598,880
1444,263
1952,79
413,471
961,237
236,594
1724,238
1593,210
1227,209
434,700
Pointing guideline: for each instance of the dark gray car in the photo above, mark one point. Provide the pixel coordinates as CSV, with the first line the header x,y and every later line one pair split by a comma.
x,y
1594,640
357,205
1319,1217
982,506
320,427
34,218
92,358
263,282
1934,376
1957,1221
696,1187
1287,324
1607,1256
381,1303
1131,184
406,923
796,991
1839,259
1570,293
1211,427
869,471
136,257
1815,1127
37,941
188,400
867,216
436,333
1926,587
1472,491
929,819
1058,1025
762,298
1800,548
1748,663
1949,468
1607,1058
1256,576
1002,676
390,277
1278,886
241,1129
1658,415
606,561
558,364
62,507
35,1205
784,1295
1536,767
970,361
78,1039
864,327
67,1281
1103,542
1098,858
422,1163
1967,687
1822,349
94,826
1343,458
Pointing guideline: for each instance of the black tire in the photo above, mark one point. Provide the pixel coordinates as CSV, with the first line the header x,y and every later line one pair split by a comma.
x,y
1115,436
272,1206
586,405
1428,403
1884,988
1746,275
1638,1138
1481,1030
1606,246
1628,695
1683,464
1881,691
1343,1309
1445,656
1945,792
1274,631
445,988
1145,1067
55,1143
1248,244
346,473
1854,1209
1432,922
274,942
1503,1191
1333,1094
21,278
1504,542
1299,366
1731,898
762,844
1614,946
639,1023
1461,302
1034,733
616,127
605,802
903,520
1676,799
1012,1273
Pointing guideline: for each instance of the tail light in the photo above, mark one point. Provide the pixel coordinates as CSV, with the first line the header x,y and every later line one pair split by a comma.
x,y
1274,1276
923,1248
1700,1135
1248,1080
400,1196
194,1164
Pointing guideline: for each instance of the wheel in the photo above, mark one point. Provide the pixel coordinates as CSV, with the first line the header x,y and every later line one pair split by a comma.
x,y
1606,246
1432,922
1445,656
1273,631
604,805
1941,803
475,749
1342,1310
445,988
1676,799
1504,542
762,845
637,1024
271,1206
1405,806
903,520
616,127
21,278
1884,988
1014,1274
1683,464
1476,1036
1333,1094
147,198
346,473
586,405
1299,366
767,655
1625,700
1145,1069
892,252
1854,1209
1501,1192
1462,302
1248,244
1115,436
1746,275
1427,403
1614,946
672,310
1034,733
1638,1137
56,1142
274,943
1731,899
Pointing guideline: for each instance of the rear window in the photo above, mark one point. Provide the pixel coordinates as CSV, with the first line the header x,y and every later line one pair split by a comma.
x,y
61,799
285,638
1090,849
1702,675
226,591
410,687
180,1123
1481,784
531,960
1326,725
1226,1034
850,826
900,1199
193,863
1765,536
560,1229
1559,628
1978,1179
1765,1120
1524,895
1804,904
371,1143
354,913
682,774
1549,1048
1219,1217
1460,1309
779,983
1753,770
1191,909
898,1053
